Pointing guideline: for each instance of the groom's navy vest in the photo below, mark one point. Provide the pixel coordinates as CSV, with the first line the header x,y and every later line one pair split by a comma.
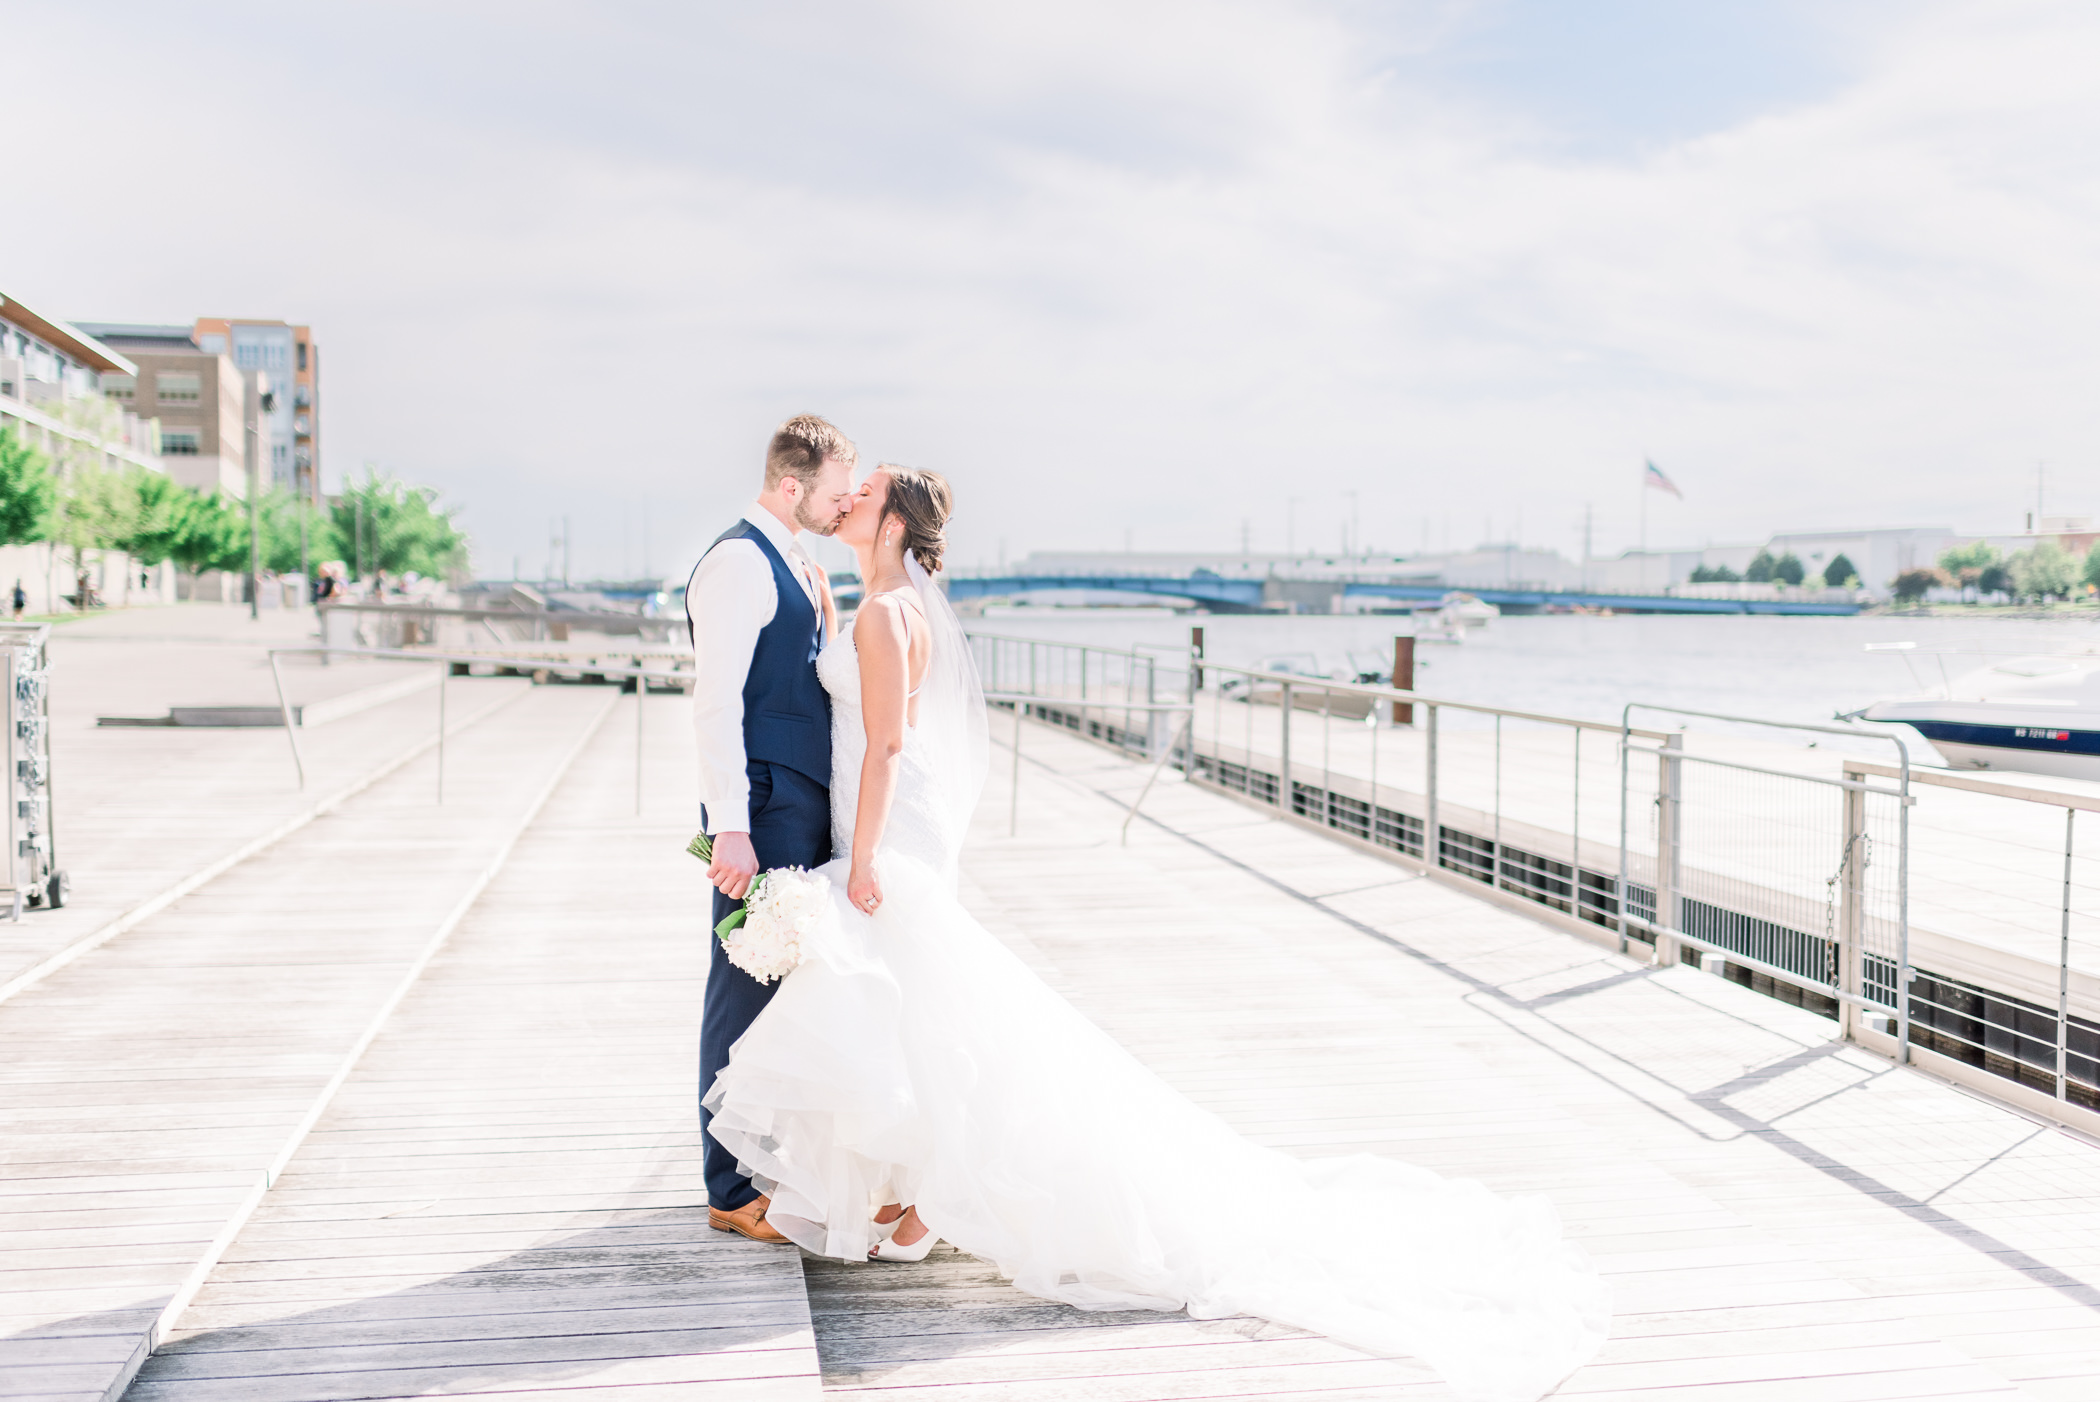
x,y
787,716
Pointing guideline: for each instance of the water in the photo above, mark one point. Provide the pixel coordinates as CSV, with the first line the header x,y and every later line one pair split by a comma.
x,y
1782,669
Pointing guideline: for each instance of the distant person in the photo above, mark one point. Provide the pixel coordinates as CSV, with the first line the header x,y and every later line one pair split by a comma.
x,y
21,600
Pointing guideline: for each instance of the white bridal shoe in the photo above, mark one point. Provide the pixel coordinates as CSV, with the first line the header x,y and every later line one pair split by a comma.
x,y
886,1249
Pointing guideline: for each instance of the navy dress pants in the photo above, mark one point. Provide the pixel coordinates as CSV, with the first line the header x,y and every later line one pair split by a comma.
x,y
790,827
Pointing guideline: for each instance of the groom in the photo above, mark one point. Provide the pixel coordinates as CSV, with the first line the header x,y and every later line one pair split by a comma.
x,y
755,609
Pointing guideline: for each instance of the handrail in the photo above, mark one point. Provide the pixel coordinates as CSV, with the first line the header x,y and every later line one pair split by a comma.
x,y
1389,693
2051,798
1022,700
538,664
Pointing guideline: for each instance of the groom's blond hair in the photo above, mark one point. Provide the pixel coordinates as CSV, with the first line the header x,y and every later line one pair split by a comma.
x,y
799,448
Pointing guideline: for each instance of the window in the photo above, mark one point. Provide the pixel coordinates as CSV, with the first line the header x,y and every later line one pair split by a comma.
x,y
212,345
120,386
178,387
302,356
248,357
181,442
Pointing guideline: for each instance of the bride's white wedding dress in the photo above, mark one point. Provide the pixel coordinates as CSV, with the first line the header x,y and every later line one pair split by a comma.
x,y
913,1059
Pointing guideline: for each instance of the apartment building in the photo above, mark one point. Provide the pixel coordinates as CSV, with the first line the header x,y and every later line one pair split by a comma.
x,y
52,397
199,398
291,428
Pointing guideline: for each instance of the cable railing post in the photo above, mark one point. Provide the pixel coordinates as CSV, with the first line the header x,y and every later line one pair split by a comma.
x,y
444,668
1376,726
2063,970
284,713
1670,805
1286,796
1495,871
1013,788
1903,970
1850,974
1327,756
1432,832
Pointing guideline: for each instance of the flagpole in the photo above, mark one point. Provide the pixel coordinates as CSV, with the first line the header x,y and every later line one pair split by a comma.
x,y
1644,524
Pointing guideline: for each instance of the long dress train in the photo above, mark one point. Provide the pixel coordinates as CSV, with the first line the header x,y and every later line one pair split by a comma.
x,y
913,1059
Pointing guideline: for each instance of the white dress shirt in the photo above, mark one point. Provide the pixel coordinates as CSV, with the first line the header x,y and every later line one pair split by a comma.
x,y
729,598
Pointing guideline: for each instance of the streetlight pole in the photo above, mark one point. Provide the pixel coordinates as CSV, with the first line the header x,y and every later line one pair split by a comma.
x,y
258,403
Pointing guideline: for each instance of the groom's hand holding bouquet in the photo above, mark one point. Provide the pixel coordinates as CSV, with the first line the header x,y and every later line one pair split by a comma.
x,y
732,865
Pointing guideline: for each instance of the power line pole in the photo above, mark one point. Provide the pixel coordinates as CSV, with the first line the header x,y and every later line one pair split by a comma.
x,y
1586,508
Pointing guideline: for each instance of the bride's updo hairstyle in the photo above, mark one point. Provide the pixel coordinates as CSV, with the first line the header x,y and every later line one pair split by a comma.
x,y
922,502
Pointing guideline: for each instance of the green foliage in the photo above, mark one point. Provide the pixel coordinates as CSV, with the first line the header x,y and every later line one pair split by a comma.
x,y
96,509
1760,571
162,508
196,531
1910,586
1977,555
27,491
1717,574
1840,573
2043,571
1788,570
277,518
402,529
1994,579
2090,574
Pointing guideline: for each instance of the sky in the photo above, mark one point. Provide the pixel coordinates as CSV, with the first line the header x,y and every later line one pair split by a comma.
x,y
1154,273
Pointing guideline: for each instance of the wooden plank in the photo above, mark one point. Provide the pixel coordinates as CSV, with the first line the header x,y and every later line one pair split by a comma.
x,y
421,1241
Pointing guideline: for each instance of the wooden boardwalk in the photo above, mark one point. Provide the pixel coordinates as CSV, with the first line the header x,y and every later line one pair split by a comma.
x,y
502,1198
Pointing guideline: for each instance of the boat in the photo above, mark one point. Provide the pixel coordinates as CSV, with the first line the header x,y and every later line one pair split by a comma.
x,y
2037,714
1465,611
1347,705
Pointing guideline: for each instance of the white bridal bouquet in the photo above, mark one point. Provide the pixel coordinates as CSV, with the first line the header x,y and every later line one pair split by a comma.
x,y
765,935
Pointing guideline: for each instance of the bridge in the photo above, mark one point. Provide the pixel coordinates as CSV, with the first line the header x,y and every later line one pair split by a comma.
x,y
1223,595
1218,593
1543,600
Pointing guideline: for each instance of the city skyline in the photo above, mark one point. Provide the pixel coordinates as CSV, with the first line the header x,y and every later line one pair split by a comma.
x,y
1144,269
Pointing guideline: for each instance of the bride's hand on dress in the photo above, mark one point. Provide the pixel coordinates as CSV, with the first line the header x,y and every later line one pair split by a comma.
x,y
863,889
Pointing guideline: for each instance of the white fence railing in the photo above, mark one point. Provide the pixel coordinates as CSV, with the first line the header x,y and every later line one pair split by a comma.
x,y
1782,867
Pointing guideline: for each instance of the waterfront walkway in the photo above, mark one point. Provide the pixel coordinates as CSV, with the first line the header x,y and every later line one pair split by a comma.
x,y
460,1043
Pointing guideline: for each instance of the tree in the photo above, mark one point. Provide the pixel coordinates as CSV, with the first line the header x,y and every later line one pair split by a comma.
x,y
278,516
1994,579
2091,573
1788,570
2043,571
1910,586
211,533
1968,564
1760,570
163,506
382,524
1840,573
1714,574
26,491
1976,555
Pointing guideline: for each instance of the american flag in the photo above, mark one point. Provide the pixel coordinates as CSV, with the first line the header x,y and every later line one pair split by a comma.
x,y
1654,478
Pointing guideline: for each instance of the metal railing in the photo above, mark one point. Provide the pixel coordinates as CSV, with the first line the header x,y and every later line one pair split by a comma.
x,y
1997,861
1749,888
453,664
406,624
1783,868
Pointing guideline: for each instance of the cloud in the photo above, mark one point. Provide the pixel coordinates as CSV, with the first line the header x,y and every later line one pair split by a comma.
x,y
1151,266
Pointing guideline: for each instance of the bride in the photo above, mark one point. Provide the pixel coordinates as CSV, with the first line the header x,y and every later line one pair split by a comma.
x,y
914,1080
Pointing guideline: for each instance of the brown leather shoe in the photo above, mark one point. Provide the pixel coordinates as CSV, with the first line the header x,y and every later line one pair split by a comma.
x,y
748,1220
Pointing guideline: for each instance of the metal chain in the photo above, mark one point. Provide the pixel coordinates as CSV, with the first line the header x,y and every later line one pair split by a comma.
x,y
1830,889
